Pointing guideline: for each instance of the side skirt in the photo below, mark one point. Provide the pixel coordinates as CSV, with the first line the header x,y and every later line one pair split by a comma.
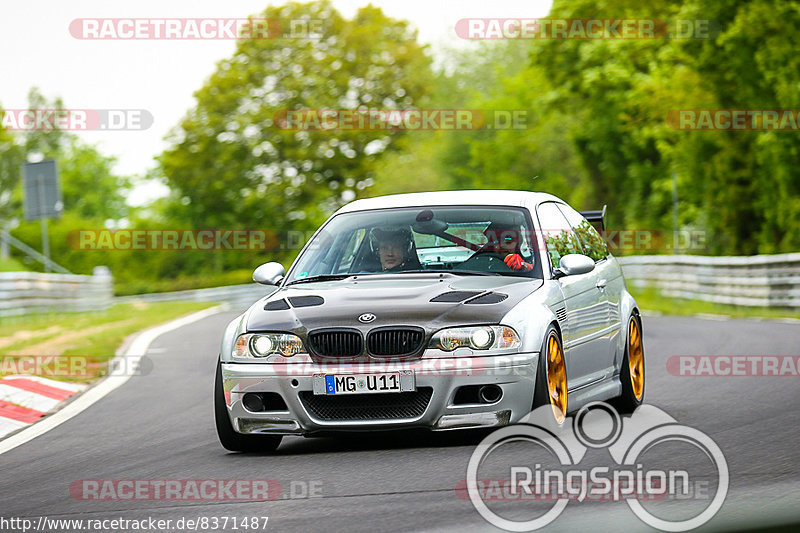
x,y
606,389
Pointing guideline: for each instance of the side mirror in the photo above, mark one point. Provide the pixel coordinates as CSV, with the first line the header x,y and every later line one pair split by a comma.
x,y
269,273
574,264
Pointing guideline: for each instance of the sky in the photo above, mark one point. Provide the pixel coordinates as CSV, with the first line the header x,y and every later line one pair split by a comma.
x,y
160,76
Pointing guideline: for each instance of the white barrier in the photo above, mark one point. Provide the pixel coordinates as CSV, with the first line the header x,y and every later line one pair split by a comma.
x,y
759,280
33,292
239,296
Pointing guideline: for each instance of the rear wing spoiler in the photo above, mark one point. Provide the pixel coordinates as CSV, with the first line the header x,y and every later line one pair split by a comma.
x,y
596,218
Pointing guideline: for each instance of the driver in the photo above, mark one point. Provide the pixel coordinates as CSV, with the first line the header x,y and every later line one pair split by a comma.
x,y
505,241
394,248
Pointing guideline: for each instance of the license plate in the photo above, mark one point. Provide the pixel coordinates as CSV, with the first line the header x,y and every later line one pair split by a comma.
x,y
329,384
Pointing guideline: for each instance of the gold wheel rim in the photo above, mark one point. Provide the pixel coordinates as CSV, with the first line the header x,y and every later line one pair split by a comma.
x,y
556,378
636,358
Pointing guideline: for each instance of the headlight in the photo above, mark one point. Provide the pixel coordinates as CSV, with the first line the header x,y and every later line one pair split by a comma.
x,y
475,337
265,344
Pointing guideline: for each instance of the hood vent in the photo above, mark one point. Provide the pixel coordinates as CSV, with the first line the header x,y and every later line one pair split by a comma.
x,y
454,296
306,301
276,305
488,298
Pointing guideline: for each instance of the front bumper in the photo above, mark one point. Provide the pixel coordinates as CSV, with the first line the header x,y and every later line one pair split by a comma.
x,y
514,374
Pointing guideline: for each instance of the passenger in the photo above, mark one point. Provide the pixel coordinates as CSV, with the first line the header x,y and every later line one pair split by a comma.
x,y
505,242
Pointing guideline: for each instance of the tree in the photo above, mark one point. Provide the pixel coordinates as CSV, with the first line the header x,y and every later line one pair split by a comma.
x,y
230,163
742,187
90,187
11,158
532,153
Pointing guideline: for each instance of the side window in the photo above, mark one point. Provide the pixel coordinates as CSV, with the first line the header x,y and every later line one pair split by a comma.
x,y
592,243
557,233
351,247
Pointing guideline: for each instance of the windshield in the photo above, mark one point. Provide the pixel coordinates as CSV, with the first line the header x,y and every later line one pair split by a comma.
x,y
467,240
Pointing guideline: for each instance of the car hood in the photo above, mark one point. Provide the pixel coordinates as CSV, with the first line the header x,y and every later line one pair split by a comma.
x,y
403,299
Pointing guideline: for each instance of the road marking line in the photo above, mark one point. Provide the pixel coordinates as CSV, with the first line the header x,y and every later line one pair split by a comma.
x,y
103,387
709,316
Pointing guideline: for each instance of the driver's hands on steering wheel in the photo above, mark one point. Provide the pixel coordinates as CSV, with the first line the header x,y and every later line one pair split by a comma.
x,y
515,262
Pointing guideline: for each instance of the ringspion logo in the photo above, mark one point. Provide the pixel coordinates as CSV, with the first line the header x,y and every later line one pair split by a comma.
x,y
555,467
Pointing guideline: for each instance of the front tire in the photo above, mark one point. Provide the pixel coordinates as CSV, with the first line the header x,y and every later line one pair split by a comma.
x,y
551,377
228,437
632,373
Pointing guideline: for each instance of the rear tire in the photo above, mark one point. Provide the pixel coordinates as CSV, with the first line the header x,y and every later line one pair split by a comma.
x,y
551,376
228,437
632,387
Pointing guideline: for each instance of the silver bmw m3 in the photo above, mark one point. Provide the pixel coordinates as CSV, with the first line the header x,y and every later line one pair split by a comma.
x,y
441,310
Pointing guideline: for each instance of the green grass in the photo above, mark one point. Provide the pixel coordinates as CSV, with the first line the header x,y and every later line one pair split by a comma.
x,y
87,339
650,299
182,283
11,265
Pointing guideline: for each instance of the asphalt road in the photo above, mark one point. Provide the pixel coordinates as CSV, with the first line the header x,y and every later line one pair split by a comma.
x,y
160,426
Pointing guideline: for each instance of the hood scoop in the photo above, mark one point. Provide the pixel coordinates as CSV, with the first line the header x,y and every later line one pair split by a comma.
x,y
488,298
306,301
295,301
276,305
455,296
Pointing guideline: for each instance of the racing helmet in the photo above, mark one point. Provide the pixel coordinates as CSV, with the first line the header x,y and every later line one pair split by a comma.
x,y
504,238
399,234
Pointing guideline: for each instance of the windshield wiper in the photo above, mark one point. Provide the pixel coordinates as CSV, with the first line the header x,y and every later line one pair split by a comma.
x,y
320,277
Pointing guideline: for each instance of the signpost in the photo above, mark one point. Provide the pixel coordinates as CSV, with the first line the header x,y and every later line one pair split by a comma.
x,y
42,197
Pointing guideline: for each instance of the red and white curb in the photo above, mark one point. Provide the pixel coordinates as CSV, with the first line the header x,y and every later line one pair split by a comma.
x,y
25,399
96,392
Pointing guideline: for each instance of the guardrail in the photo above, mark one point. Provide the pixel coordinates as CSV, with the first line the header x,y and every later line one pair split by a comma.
x,y
759,280
33,292
6,239
238,296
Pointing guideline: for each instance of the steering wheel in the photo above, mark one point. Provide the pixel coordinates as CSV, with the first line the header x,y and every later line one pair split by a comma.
x,y
485,262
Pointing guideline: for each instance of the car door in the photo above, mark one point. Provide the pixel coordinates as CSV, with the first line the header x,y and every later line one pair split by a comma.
x,y
585,306
609,283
